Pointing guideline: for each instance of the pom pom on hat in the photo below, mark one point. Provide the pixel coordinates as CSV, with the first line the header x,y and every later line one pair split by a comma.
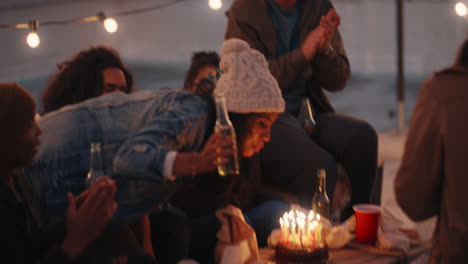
x,y
247,83
233,45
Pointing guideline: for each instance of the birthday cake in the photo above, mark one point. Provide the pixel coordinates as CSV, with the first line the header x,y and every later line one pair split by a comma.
x,y
285,255
301,239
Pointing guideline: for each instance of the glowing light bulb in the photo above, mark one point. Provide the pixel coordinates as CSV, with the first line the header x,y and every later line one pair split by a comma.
x,y
215,4
110,25
461,9
33,40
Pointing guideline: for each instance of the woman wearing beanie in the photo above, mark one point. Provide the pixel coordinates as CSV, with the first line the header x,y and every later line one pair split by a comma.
x,y
151,139
253,100
21,240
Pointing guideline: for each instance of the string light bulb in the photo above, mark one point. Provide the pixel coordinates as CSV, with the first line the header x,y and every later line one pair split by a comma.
x,y
109,23
461,9
215,4
33,39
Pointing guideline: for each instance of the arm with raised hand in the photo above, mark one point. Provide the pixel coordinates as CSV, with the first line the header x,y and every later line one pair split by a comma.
x,y
331,66
313,59
285,68
86,222
87,216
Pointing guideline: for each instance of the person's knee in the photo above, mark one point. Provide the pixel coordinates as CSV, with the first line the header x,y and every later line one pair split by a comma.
x,y
365,134
276,206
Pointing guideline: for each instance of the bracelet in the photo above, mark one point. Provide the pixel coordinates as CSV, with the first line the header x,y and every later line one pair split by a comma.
x,y
329,51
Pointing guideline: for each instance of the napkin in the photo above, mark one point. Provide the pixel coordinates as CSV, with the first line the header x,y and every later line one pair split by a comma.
x,y
390,236
237,242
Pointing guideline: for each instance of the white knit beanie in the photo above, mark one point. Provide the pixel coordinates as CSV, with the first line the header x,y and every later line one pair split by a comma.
x,y
247,83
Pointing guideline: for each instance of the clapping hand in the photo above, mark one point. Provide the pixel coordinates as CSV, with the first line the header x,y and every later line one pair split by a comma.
x,y
86,221
330,22
318,40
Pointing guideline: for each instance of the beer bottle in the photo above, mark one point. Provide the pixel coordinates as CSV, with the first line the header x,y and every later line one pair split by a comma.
x,y
320,201
224,126
95,165
308,123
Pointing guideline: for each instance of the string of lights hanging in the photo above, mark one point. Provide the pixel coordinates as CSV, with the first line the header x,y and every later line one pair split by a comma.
x,y
461,9
109,23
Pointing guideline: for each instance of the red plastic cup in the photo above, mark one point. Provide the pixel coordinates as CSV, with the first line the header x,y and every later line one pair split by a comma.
x,y
367,222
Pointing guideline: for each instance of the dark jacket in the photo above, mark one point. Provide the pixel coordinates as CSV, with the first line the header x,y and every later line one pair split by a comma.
x,y
22,240
432,179
209,192
249,20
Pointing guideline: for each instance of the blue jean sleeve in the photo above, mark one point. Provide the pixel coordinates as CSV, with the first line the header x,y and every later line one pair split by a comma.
x,y
180,125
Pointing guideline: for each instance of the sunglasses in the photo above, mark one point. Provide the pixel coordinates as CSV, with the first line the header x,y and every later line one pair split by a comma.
x,y
206,85
215,74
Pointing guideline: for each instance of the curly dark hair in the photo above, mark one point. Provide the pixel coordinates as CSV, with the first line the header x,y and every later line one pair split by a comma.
x,y
200,60
80,78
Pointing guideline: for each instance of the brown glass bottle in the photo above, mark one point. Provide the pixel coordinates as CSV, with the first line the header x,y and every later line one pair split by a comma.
x,y
320,201
308,122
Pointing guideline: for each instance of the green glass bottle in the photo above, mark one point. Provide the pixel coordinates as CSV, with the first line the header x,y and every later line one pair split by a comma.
x,y
95,165
224,126
320,201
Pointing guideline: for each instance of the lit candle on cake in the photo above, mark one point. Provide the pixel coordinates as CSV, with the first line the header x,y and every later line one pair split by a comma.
x,y
302,239
293,232
300,231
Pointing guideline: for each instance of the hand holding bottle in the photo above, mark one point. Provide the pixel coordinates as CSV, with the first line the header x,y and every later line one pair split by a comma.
x,y
216,152
224,126
86,221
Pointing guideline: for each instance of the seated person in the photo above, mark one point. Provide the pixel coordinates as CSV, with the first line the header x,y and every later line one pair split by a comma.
x,y
90,73
201,77
203,64
245,79
303,46
432,178
22,239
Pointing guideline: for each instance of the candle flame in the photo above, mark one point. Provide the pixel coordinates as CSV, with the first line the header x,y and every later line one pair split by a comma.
x,y
300,230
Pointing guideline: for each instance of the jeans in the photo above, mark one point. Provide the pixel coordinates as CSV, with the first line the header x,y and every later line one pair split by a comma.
x,y
262,218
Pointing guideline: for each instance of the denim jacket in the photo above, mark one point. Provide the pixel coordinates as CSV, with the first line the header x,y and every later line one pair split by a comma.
x,y
136,132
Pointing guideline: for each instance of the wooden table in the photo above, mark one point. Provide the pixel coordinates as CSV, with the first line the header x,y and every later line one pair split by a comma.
x,y
355,253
